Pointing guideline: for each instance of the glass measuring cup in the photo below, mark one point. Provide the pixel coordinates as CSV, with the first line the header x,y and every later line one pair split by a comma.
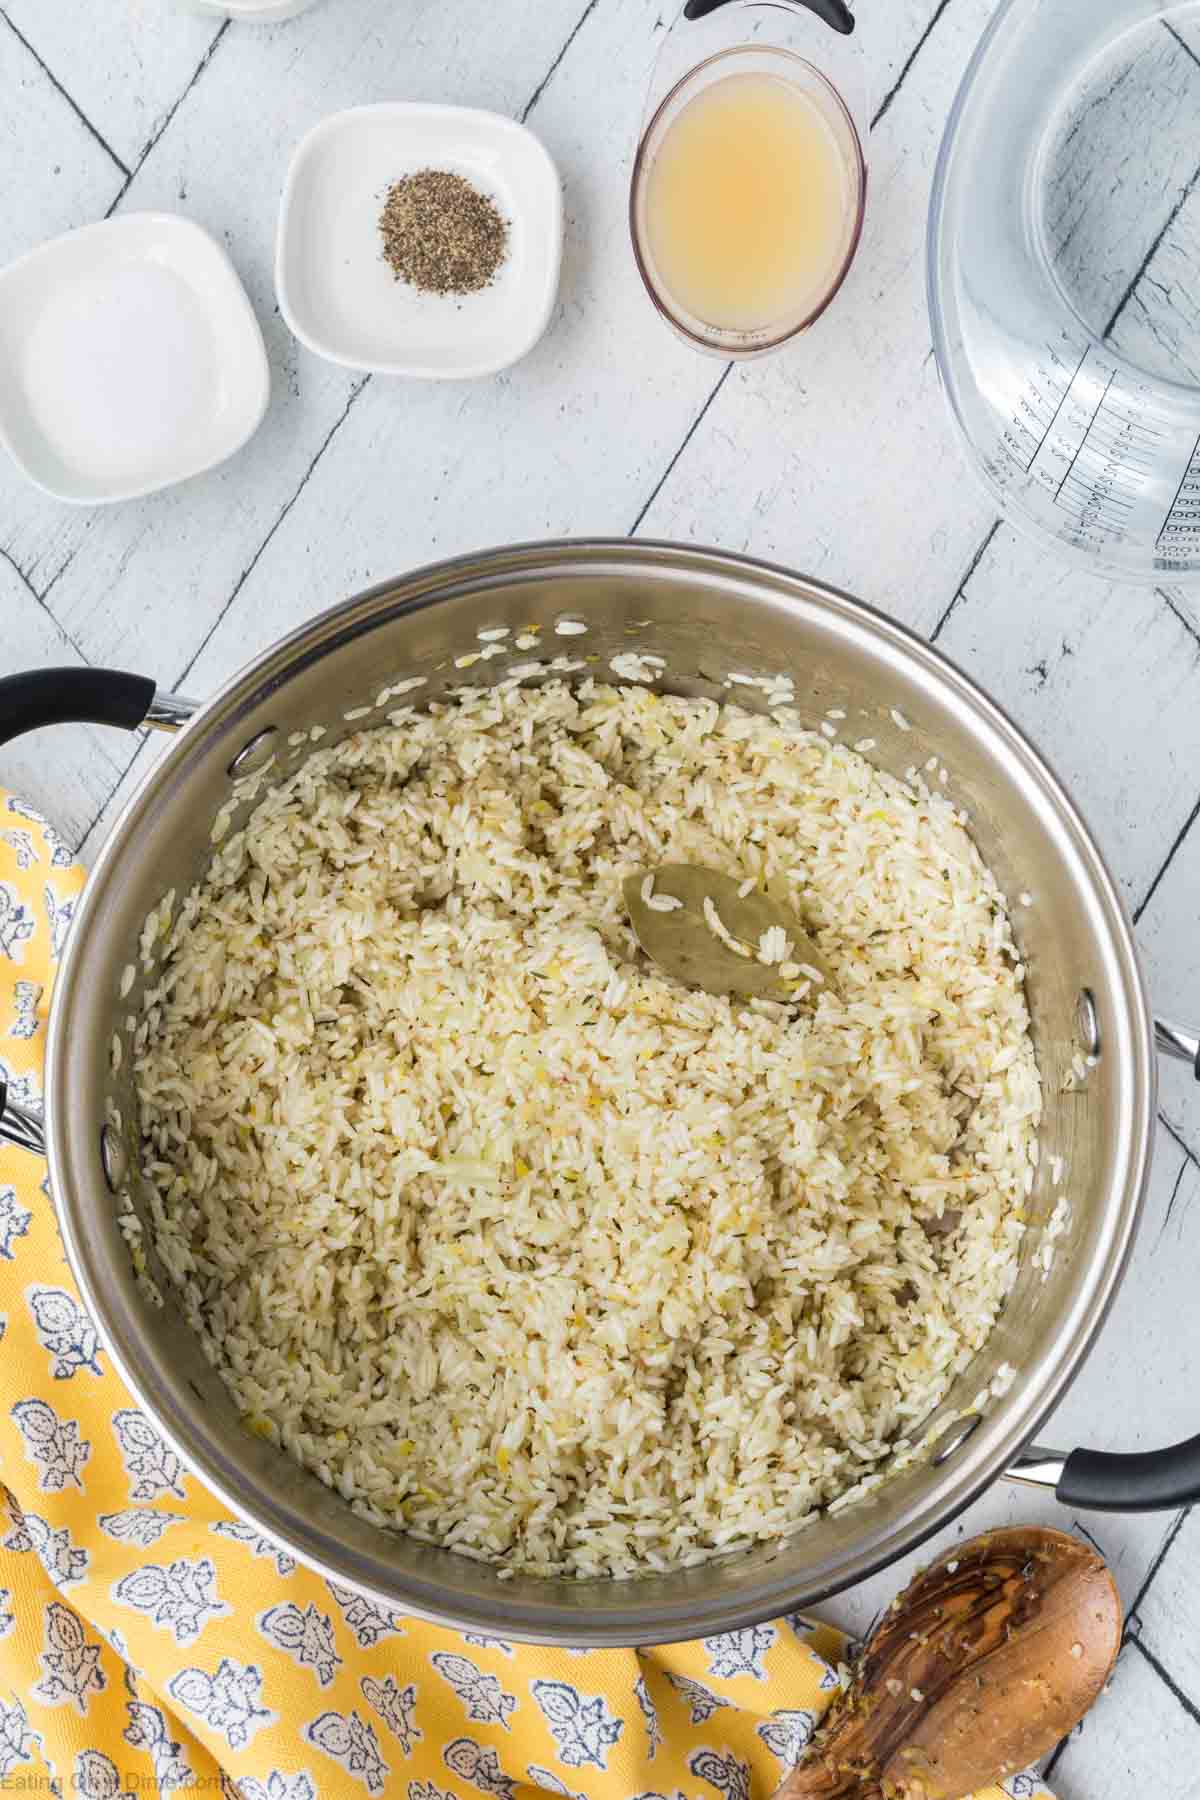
x,y
749,185
1074,380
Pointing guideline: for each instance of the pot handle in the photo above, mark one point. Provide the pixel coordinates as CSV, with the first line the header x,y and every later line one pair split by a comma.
x,y
86,696
833,13
19,1126
67,697
1104,1481
1179,1042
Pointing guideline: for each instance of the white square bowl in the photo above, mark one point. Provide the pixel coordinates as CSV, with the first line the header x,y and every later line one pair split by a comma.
x,y
252,12
117,309
340,297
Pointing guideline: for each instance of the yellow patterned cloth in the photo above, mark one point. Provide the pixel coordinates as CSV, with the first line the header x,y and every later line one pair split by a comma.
x,y
151,1643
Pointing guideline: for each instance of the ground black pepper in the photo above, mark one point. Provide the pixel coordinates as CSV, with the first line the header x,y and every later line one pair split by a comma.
x,y
441,234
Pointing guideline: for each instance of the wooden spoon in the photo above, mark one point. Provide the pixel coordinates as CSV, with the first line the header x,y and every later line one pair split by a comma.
x,y
683,943
990,1656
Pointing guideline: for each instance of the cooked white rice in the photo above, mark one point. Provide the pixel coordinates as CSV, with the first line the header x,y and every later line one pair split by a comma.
x,y
522,1247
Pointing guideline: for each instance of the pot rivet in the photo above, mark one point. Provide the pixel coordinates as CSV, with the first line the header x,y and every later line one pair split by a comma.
x,y
955,1438
255,755
1087,1022
113,1159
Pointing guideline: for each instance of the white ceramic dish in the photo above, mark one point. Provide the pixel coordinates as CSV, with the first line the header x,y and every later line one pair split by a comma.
x,y
337,293
130,358
251,12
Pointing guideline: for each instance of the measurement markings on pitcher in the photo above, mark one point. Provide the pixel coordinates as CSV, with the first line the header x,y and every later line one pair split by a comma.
x,y
1056,455
1070,468
1097,455
1036,412
1180,534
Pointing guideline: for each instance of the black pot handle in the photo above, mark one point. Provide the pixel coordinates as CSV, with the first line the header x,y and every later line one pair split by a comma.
x,y
62,697
1179,1042
1155,1481
1106,1481
833,13
1103,1480
73,696
18,1125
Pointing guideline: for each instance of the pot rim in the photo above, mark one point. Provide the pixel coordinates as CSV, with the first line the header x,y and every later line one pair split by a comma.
x,y
1004,1433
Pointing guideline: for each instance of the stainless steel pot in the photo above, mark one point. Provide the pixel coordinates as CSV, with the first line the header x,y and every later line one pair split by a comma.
x,y
708,616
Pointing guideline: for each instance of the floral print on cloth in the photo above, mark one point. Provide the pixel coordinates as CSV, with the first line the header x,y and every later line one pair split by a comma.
x,y
150,1643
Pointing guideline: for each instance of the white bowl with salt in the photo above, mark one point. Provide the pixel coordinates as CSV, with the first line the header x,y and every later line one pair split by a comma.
x,y
130,358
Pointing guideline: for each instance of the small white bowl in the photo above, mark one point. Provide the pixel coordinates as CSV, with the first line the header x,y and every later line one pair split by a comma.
x,y
340,297
251,12
130,358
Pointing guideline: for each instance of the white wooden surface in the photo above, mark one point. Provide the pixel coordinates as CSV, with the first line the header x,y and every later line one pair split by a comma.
x,y
835,457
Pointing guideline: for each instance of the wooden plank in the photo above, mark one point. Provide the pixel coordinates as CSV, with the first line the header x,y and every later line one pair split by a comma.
x,y
56,173
1171,949
125,63
1170,1612
1137,1740
1184,21
1054,645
